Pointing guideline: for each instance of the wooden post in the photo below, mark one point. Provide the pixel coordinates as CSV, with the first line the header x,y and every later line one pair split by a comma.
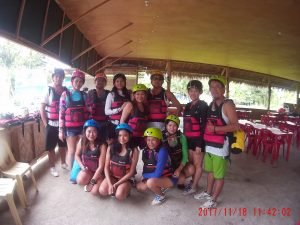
x,y
169,74
269,93
20,17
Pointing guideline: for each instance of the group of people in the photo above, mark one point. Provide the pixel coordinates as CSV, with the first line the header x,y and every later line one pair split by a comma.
x,y
105,131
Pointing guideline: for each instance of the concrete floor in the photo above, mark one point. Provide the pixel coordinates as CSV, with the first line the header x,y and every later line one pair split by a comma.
x,y
250,185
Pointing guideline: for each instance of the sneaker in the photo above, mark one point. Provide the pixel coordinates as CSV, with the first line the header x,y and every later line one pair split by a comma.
x,y
159,199
189,190
53,172
64,166
203,195
209,204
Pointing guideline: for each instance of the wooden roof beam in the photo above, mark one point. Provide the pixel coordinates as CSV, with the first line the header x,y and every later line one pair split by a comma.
x,y
111,63
102,40
127,43
72,22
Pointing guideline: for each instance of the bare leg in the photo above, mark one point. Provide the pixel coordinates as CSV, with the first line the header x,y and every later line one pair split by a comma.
x,y
123,191
71,142
155,184
62,152
219,183
51,156
197,160
210,183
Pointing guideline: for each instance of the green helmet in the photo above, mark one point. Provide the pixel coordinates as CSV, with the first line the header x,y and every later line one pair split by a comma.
x,y
173,118
220,79
139,87
153,132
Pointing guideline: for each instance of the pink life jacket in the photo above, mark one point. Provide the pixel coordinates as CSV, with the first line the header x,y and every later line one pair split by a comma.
x,y
117,103
138,122
157,107
98,106
120,165
215,117
52,108
90,159
76,112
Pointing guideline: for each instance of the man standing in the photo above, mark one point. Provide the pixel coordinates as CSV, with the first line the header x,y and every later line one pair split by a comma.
x,y
159,100
221,122
49,113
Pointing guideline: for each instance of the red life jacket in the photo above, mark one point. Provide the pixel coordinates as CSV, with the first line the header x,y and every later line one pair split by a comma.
x,y
117,103
90,159
192,116
149,158
157,106
76,112
175,152
138,122
120,165
215,117
98,105
52,108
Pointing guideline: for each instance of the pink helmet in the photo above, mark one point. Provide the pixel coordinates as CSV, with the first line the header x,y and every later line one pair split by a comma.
x,y
79,74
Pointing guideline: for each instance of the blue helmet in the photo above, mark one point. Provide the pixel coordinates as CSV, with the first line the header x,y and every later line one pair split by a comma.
x,y
91,123
124,126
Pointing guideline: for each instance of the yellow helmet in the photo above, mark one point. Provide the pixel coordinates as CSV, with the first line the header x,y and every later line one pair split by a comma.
x,y
153,132
220,79
173,118
139,87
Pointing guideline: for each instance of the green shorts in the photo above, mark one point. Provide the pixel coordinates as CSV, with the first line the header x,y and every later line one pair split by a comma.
x,y
216,165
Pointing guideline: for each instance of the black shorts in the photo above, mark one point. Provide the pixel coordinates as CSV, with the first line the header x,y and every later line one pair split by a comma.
x,y
52,138
193,143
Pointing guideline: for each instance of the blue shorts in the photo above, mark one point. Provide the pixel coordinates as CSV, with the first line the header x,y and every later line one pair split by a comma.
x,y
73,131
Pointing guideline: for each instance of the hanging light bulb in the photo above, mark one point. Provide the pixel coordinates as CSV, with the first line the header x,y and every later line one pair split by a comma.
x,y
147,3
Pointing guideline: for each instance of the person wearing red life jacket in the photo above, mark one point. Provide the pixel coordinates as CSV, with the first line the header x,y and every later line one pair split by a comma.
x,y
194,120
177,146
157,173
97,98
117,99
135,113
74,111
49,111
90,155
222,120
120,165
159,100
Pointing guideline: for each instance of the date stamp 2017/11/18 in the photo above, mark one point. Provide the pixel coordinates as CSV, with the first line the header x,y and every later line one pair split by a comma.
x,y
244,212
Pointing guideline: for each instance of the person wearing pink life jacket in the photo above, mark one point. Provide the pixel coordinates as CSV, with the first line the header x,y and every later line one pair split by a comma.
x,y
177,146
135,113
74,111
120,165
194,121
222,120
157,175
90,155
97,98
49,111
159,100
117,99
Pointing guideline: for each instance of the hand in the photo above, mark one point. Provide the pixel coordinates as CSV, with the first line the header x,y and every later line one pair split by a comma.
x,y
176,173
123,106
210,127
111,190
61,136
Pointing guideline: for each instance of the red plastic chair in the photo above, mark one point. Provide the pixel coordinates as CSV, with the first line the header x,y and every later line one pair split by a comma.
x,y
250,137
267,143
